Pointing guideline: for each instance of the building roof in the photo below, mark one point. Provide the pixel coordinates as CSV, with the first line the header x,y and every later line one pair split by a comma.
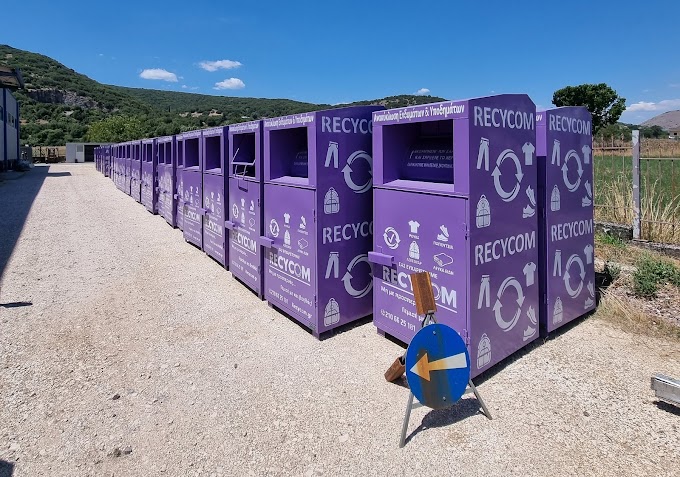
x,y
10,78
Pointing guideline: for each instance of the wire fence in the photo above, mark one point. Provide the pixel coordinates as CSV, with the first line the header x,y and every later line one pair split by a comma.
x,y
638,185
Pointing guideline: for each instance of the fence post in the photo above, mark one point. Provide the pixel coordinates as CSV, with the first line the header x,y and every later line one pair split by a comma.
x,y
636,185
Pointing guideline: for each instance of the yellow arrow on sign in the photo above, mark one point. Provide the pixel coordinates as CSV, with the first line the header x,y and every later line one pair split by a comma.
x,y
424,366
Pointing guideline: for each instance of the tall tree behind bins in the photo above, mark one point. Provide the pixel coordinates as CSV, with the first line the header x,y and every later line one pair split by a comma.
x,y
604,104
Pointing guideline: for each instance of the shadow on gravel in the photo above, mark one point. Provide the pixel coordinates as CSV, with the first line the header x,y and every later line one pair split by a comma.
x,y
463,409
16,199
6,469
16,304
665,406
59,174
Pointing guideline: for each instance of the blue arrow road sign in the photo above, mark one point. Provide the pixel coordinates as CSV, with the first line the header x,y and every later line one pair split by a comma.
x,y
437,366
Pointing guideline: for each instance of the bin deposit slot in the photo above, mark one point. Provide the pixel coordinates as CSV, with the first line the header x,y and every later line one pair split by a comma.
x,y
148,152
243,162
180,153
419,152
213,154
289,153
191,153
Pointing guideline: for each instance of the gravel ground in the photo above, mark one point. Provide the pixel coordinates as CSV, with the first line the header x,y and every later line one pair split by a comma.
x,y
140,356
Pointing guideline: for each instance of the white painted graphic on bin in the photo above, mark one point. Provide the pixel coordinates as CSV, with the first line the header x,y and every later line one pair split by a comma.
x,y
332,268
443,236
347,278
234,211
588,250
331,202
332,155
414,251
331,313
529,273
530,209
484,299
347,172
442,259
483,351
587,200
528,150
502,193
558,311
483,215
531,330
500,321
567,277
557,264
303,244
586,154
274,228
391,238
555,200
483,155
286,238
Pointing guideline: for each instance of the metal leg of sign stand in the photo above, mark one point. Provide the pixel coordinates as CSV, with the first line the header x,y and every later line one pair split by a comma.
x,y
472,389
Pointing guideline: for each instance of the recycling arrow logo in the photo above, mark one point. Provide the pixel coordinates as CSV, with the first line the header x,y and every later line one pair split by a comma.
x,y
565,171
347,172
391,238
502,323
502,193
567,278
347,278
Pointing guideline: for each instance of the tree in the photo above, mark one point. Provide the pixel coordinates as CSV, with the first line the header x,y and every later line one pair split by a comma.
x,y
604,104
115,129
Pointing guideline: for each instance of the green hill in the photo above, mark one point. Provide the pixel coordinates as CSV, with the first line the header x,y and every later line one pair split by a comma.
x,y
59,104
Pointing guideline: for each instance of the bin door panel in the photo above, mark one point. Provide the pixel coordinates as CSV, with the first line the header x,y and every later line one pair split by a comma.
x,y
213,221
179,188
416,232
193,218
245,253
290,265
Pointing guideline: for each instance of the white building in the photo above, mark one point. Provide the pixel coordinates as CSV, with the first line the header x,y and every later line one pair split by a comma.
x,y
82,151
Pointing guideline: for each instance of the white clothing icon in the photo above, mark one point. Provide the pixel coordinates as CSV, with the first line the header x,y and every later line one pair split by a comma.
x,y
557,264
444,235
333,266
558,312
303,223
286,238
483,155
484,293
331,313
332,154
243,202
556,159
555,199
331,202
286,218
483,212
483,351
529,272
252,205
414,226
414,251
586,154
528,150
589,253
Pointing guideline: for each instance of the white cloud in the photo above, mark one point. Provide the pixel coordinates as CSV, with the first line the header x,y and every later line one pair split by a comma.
x,y
184,86
101,54
664,105
158,74
674,85
231,83
422,92
219,65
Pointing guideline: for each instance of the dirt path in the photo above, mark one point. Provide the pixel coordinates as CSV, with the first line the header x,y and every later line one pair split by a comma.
x,y
213,382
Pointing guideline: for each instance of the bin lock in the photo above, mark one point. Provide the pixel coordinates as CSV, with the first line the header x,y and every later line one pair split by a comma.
x,y
202,211
266,242
230,224
381,259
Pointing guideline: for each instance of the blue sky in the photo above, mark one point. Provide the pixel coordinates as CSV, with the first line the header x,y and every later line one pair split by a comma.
x,y
332,52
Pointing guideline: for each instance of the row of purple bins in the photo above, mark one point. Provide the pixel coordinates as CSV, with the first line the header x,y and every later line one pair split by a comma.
x,y
326,214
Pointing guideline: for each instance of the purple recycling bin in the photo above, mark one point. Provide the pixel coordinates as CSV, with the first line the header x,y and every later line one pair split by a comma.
x,y
455,195
178,160
246,194
192,180
317,216
149,161
136,170
119,167
565,194
214,149
107,160
127,154
167,204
